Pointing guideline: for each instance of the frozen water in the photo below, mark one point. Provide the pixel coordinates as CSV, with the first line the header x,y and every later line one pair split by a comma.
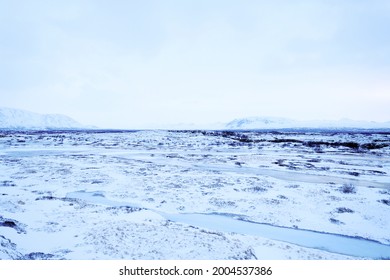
x,y
357,247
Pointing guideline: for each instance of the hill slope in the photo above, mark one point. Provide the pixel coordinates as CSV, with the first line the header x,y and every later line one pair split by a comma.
x,y
279,123
20,119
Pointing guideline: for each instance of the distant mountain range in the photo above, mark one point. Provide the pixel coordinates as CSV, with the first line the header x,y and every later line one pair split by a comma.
x,y
20,119
283,123
16,119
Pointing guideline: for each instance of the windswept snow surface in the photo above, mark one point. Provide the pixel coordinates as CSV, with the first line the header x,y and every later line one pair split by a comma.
x,y
143,194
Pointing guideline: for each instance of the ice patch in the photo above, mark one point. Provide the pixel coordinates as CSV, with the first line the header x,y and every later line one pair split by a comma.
x,y
352,246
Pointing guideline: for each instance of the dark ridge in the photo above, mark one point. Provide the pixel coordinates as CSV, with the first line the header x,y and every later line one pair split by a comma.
x,y
19,227
38,256
373,146
286,141
352,145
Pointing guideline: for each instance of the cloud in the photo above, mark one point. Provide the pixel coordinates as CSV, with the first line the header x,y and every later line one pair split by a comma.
x,y
123,62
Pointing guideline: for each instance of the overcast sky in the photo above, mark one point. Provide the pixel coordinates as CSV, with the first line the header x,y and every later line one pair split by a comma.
x,y
125,64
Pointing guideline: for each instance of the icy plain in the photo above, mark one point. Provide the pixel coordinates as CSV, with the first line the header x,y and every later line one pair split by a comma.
x,y
194,195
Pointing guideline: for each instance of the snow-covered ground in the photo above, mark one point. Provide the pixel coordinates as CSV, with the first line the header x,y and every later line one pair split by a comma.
x,y
137,195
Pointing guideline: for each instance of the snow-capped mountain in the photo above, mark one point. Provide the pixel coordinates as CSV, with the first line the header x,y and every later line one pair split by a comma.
x,y
259,123
20,119
279,123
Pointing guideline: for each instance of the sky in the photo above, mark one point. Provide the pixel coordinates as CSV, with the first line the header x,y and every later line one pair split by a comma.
x,y
133,64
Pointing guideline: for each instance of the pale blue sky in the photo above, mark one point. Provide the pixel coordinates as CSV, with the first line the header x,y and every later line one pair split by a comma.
x,y
127,64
